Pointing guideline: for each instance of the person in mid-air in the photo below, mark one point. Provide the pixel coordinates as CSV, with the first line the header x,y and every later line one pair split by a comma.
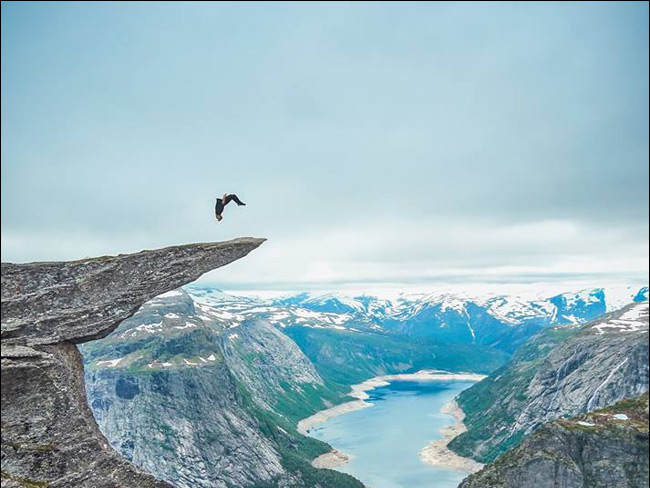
x,y
222,202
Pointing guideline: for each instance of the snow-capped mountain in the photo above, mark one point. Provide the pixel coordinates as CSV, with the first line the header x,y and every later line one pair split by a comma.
x,y
501,321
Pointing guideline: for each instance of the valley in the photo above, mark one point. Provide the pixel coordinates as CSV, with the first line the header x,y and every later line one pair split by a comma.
x,y
225,380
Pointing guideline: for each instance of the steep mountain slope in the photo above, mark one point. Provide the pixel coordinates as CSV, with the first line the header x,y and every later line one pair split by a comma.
x,y
349,357
49,436
607,448
202,401
163,421
276,372
560,372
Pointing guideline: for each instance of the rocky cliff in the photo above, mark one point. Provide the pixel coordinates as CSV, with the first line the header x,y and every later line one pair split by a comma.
x,y
49,435
607,448
561,372
201,399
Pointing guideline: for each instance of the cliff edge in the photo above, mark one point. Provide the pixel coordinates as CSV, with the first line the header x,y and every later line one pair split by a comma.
x,y
49,435
601,449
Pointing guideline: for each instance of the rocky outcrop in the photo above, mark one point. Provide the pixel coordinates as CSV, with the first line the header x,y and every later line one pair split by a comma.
x,y
184,424
173,390
49,436
607,448
562,372
194,394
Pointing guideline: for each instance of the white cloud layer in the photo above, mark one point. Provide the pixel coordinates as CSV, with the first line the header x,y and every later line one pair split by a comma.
x,y
375,143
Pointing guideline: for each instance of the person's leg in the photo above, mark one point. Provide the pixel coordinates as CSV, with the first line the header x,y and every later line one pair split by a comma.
x,y
236,199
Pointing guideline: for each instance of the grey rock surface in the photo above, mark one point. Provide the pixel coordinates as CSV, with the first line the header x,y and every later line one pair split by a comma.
x,y
264,359
559,373
607,448
185,425
49,435
164,396
200,399
77,301
607,362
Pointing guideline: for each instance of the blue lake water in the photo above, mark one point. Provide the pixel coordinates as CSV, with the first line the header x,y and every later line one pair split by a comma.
x,y
385,439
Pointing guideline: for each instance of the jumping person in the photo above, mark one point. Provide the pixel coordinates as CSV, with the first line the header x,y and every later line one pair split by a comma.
x,y
222,202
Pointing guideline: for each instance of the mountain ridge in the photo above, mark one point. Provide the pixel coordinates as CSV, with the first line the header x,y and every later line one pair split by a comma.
x,y
560,372
501,321
201,401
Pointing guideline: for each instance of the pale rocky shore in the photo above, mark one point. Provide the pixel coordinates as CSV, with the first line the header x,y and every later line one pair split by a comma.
x,y
331,460
337,458
436,453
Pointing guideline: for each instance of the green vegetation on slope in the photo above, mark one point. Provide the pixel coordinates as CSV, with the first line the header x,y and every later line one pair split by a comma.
x,y
348,357
138,353
484,403
635,411
300,401
296,450
606,447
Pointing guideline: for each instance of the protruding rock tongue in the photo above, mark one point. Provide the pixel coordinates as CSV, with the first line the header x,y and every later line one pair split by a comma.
x,y
49,435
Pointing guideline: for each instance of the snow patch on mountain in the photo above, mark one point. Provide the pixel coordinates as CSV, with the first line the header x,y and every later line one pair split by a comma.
x,y
628,322
464,317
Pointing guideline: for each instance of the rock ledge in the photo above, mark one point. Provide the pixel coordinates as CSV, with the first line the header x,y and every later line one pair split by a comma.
x,y
49,436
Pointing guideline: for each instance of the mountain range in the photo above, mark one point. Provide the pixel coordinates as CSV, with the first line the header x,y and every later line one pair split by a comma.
x,y
224,379
498,321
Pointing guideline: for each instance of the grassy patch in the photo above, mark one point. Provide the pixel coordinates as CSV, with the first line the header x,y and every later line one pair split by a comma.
x,y
21,480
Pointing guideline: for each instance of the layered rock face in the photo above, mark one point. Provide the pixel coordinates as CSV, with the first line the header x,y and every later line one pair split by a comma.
x,y
188,393
607,448
184,424
49,435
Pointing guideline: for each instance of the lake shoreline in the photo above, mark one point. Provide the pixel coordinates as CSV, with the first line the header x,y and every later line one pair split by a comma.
x,y
437,452
336,458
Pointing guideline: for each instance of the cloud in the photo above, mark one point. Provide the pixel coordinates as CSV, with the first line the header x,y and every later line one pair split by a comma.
x,y
420,253
383,141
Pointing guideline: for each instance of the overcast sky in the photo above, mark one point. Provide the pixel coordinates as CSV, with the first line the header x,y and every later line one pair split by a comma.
x,y
375,144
